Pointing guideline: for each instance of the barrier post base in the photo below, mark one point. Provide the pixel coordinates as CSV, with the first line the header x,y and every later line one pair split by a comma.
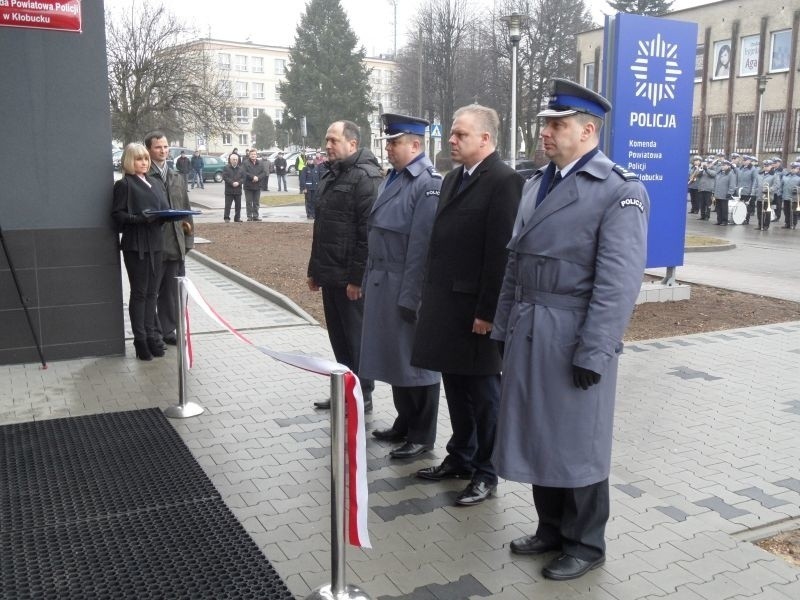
x,y
350,592
190,409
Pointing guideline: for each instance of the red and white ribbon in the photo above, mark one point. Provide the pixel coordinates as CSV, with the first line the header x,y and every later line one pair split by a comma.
x,y
358,492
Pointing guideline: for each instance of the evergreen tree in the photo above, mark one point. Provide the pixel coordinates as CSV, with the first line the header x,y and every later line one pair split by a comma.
x,y
263,131
326,79
651,8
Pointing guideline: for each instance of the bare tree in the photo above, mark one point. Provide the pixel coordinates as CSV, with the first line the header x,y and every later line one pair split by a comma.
x,y
157,78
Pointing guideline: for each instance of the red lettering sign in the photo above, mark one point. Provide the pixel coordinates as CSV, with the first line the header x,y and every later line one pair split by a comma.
x,y
41,14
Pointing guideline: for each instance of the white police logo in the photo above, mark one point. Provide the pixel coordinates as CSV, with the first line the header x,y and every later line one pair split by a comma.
x,y
632,202
665,54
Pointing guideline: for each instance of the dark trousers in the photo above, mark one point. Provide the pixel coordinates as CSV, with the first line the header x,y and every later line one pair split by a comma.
x,y
705,204
574,517
417,408
281,179
252,198
310,197
472,401
777,205
789,216
763,214
143,275
197,178
344,319
722,210
695,200
236,200
265,187
167,316
750,201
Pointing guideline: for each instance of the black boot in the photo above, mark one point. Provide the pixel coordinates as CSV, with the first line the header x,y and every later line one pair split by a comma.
x,y
142,351
156,346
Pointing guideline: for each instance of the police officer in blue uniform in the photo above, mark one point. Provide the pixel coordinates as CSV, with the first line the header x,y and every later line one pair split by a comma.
x,y
575,268
398,232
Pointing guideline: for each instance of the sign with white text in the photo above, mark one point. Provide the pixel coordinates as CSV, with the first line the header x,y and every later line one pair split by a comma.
x,y
648,75
36,14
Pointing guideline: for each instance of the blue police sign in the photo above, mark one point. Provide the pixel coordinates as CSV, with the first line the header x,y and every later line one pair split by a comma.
x,y
648,75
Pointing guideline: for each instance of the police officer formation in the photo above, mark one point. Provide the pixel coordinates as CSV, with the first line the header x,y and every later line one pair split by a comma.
x,y
512,295
738,189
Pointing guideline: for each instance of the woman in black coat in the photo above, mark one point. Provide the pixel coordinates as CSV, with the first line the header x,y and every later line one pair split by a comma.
x,y
233,176
142,243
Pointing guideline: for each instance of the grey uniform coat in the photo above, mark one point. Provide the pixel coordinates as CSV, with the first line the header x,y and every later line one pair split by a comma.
x,y
574,272
399,229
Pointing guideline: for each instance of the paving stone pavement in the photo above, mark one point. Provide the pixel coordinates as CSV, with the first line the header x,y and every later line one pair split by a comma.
x,y
706,458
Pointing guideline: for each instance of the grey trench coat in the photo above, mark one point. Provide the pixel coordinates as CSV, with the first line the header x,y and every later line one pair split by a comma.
x,y
574,273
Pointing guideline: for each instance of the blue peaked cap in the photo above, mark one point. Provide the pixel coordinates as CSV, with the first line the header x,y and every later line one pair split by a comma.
x,y
397,125
568,98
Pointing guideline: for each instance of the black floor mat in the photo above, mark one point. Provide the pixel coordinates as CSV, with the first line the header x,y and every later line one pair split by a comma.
x,y
115,506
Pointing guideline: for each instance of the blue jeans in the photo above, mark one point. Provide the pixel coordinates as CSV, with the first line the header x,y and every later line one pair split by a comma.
x,y
282,178
197,178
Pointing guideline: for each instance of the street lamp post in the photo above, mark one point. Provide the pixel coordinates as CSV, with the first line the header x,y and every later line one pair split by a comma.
x,y
762,86
514,21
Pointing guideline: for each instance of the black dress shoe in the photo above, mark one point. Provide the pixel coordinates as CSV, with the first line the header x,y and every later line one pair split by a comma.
x,y
475,493
388,435
156,346
170,339
444,471
566,567
410,450
531,544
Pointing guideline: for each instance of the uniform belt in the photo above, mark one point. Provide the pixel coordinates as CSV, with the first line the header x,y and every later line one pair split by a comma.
x,y
383,265
550,299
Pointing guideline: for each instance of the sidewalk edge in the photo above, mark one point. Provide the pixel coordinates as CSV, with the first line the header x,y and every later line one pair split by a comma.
x,y
254,286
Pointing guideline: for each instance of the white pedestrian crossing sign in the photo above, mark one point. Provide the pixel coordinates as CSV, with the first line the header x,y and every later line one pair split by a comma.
x,y
436,130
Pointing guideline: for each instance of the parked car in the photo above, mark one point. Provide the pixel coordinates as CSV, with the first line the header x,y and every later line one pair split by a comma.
x,y
175,152
212,168
290,160
524,167
116,159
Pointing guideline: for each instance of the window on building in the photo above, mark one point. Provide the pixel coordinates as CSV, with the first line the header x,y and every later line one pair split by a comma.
x,y
278,114
257,63
781,51
227,114
240,62
226,139
224,61
242,115
277,91
244,139
258,90
694,145
588,75
748,57
241,89
772,130
224,87
717,125
280,66
258,111
376,76
745,132
387,77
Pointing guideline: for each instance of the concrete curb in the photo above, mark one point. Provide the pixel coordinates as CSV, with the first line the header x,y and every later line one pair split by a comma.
x,y
253,285
714,248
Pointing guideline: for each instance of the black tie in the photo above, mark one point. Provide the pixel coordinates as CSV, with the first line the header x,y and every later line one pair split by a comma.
x,y
464,180
556,180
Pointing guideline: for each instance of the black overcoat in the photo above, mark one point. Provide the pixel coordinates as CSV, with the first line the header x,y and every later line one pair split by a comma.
x,y
466,261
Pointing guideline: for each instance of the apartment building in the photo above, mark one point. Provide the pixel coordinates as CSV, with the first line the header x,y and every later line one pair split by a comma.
x,y
254,72
746,55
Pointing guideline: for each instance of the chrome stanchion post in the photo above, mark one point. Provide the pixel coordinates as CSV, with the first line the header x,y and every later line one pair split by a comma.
x,y
337,589
183,409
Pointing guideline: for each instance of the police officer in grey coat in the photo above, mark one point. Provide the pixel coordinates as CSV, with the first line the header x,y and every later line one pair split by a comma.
x,y
575,267
399,229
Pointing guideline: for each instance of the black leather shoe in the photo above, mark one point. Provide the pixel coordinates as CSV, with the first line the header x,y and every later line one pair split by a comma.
x,y
444,471
410,450
388,435
475,493
531,544
566,567
170,339
156,346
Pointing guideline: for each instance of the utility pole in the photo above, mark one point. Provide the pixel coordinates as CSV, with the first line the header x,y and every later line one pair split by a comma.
x,y
394,4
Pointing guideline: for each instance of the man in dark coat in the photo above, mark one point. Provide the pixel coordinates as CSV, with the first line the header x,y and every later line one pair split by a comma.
x,y
184,167
574,272
339,246
466,259
399,230
178,235
197,163
254,172
280,172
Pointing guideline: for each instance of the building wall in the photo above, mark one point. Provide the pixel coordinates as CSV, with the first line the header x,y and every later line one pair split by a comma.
x,y
55,201
255,71
726,107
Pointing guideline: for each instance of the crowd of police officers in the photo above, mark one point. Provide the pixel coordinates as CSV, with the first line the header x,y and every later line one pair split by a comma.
x,y
766,191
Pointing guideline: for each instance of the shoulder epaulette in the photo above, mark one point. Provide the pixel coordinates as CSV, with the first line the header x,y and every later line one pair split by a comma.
x,y
434,173
625,174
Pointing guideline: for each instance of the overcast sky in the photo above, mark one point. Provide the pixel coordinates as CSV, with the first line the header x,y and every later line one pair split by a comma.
x,y
275,22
